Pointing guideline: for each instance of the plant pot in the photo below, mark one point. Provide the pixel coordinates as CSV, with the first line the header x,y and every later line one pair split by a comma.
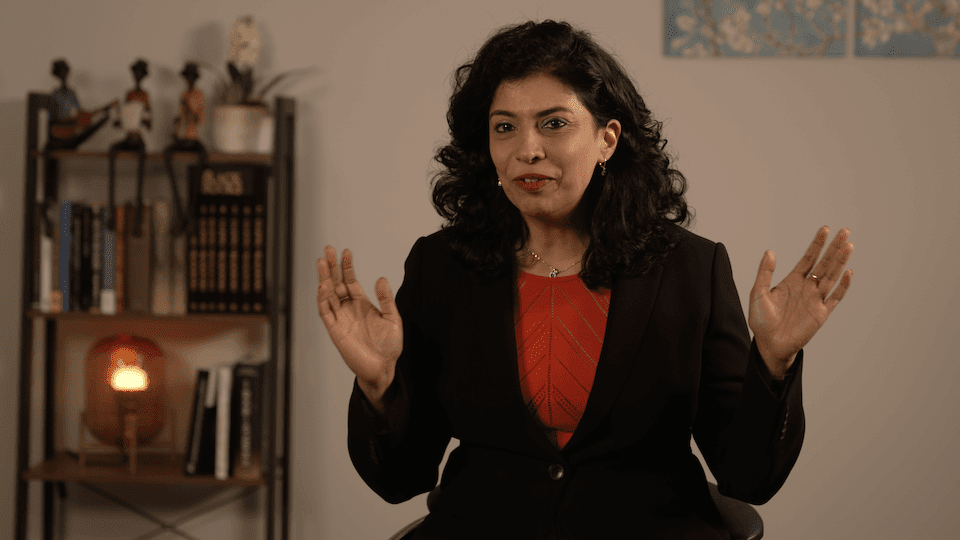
x,y
238,129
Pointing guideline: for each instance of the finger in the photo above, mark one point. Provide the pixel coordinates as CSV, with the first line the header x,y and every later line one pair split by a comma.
x,y
325,293
338,287
349,276
840,291
827,266
385,296
806,262
323,271
331,255
835,268
768,263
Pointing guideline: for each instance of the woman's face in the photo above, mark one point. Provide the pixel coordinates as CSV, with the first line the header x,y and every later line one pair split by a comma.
x,y
545,145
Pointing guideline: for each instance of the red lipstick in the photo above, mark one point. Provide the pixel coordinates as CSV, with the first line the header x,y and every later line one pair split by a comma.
x,y
531,182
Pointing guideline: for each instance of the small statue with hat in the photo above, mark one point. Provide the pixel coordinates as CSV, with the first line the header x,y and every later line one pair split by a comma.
x,y
134,115
69,125
186,138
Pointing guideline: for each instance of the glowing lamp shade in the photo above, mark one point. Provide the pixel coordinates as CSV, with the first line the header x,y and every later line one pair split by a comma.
x,y
125,374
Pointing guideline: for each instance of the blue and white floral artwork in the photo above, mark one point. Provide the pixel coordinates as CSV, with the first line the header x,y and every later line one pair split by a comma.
x,y
908,28
750,28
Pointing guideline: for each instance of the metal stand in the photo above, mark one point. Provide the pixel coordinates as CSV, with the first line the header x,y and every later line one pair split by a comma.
x,y
130,447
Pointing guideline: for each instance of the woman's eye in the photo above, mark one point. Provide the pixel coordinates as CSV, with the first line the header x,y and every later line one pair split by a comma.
x,y
502,127
554,123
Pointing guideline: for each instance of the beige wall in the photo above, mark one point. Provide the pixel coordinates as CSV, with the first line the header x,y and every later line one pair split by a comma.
x,y
772,148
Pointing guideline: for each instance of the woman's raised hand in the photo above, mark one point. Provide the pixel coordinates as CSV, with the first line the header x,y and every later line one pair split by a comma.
x,y
785,318
369,339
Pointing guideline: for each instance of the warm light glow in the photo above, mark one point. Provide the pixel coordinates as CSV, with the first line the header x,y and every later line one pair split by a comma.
x,y
129,379
128,375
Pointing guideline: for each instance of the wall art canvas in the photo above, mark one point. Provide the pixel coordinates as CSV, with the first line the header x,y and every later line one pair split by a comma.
x,y
908,28
755,28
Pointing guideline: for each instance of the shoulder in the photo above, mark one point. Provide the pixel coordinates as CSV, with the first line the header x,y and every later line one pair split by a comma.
x,y
692,251
433,253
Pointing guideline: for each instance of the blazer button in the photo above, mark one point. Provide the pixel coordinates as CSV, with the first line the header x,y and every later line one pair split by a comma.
x,y
556,471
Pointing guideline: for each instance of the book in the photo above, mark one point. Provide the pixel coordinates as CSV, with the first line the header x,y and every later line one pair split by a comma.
x,y
46,264
85,277
66,219
96,257
246,437
120,258
233,260
162,254
178,275
221,462
108,297
191,459
227,256
139,259
223,269
73,270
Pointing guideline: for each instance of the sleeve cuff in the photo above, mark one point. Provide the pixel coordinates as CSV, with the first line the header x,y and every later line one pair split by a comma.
x,y
778,388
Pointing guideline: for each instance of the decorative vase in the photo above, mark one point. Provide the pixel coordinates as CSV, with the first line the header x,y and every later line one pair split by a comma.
x,y
237,128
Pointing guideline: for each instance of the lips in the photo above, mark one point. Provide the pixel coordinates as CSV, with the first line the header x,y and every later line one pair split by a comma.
x,y
531,182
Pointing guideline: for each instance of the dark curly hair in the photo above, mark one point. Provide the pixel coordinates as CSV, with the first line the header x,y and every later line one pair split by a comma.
x,y
628,209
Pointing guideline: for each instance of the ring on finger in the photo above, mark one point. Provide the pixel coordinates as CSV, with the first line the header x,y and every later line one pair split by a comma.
x,y
344,298
814,277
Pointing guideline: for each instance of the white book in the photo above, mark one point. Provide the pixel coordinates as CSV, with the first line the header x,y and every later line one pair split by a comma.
x,y
221,459
46,272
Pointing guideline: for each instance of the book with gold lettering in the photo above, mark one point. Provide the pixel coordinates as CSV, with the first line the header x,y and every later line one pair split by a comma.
x,y
227,244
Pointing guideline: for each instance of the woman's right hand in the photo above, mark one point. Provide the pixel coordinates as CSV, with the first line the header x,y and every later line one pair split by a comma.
x,y
369,339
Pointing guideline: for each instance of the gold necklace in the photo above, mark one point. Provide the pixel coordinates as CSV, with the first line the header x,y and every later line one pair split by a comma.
x,y
554,272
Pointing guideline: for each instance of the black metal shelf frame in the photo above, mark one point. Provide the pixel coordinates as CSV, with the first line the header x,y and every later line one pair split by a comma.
x,y
280,275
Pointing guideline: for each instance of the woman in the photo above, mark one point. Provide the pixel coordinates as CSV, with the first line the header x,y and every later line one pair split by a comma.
x,y
565,328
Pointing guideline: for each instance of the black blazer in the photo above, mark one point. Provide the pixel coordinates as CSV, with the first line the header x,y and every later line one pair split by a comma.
x,y
677,359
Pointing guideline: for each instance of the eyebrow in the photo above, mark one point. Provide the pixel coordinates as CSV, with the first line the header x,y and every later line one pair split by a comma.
x,y
541,114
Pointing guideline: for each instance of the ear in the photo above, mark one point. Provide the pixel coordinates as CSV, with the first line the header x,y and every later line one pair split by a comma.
x,y
608,142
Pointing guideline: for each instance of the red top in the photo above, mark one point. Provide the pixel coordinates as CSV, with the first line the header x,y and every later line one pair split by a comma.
x,y
560,328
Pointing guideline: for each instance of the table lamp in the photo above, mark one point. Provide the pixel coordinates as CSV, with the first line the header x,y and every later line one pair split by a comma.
x,y
126,392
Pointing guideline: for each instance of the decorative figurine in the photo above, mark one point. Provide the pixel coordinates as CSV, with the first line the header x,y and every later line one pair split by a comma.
x,y
186,138
244,53
69,125
134,114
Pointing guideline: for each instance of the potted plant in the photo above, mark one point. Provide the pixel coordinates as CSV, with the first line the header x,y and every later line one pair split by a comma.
x,y
241,118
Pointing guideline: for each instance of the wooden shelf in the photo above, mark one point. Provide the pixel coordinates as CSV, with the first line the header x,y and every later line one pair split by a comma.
x,y
152,469
212,157
228,318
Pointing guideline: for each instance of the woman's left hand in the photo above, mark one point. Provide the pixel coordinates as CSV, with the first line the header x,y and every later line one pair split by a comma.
x,y
785,318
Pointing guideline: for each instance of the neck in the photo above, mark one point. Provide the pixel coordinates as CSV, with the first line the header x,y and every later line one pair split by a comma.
x,y
556,246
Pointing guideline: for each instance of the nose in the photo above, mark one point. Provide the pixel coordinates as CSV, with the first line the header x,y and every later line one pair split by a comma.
x,y
530,147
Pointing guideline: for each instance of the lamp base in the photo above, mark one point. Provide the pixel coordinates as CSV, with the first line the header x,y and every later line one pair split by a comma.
x,y
130,448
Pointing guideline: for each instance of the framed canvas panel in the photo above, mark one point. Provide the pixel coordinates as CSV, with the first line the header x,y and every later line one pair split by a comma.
x,y
755,28
908,28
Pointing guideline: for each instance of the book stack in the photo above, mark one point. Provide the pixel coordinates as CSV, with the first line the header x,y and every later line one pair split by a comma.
x,y
225,439
219,267
84,266
226,249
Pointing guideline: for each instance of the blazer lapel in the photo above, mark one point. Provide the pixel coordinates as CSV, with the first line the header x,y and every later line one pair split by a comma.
x,y
631,304
499,345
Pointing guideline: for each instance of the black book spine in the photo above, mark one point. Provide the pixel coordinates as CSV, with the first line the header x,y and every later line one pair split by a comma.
x,y
246,435
86,258
192,458
76,228
208,432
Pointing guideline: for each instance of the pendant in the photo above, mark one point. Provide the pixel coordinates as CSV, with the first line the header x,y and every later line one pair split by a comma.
x,y
554,272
